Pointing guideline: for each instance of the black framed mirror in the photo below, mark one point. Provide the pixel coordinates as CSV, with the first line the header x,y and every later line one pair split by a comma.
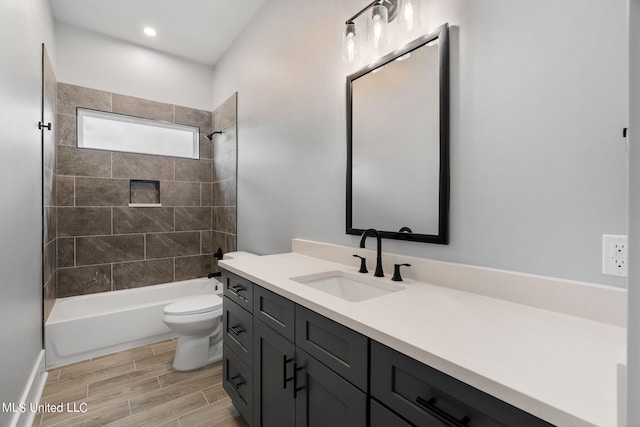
x,y
398,143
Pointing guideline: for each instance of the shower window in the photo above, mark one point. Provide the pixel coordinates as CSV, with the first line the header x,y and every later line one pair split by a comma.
x,y
117,132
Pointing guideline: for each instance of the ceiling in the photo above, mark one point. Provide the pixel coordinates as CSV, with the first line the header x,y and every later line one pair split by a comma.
x,y
199,30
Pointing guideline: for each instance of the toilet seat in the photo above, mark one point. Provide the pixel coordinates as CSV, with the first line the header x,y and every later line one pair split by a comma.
x,y
194,305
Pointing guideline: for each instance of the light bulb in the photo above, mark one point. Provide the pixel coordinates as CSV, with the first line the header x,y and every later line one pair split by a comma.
x,y
377,26
350,50
377,32
410,14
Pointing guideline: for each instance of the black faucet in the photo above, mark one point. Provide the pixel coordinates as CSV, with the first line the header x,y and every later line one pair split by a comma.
x,y
374,232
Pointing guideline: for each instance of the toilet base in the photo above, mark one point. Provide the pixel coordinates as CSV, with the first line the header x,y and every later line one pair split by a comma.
x,y
197,352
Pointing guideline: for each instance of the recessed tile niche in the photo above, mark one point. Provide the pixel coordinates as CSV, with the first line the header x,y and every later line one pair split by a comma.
x,y
144,193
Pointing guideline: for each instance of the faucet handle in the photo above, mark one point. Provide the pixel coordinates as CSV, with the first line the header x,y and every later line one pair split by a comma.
x,y
396,272
363,264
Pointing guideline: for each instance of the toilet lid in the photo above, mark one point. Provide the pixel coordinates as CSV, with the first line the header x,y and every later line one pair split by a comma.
x,y
194,305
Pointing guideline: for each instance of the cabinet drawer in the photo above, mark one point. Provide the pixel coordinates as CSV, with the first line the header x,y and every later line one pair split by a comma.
x,y
383,417
274,311
340,348
238,289
237,381
420,393
238,330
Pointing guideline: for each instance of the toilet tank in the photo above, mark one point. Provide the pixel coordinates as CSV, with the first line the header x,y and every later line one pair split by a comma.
x,y
237,254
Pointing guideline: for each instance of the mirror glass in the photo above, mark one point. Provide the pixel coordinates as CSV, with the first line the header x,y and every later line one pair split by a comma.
x,y
118,132
398,176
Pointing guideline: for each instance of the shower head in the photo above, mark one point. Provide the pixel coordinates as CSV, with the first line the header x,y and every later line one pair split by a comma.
x,y
210,136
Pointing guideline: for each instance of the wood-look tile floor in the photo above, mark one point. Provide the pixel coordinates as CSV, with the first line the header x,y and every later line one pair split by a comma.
x,y
137,387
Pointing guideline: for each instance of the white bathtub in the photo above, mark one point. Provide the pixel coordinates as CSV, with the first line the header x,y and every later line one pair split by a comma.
x,y
92,325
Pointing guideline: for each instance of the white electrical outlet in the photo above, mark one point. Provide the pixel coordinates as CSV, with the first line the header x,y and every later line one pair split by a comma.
x,y
614,255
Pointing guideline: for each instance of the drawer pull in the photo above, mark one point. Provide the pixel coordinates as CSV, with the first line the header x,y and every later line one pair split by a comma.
x,y
235,290
430,406
296,389
236,384
285,380
236,330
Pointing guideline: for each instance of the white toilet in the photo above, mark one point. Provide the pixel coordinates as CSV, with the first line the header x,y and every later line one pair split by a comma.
x,y
198,322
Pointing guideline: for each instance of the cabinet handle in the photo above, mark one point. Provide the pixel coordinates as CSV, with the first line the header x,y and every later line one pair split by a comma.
x,y
430,406
236,384
235,290
236,330
296,389
285,380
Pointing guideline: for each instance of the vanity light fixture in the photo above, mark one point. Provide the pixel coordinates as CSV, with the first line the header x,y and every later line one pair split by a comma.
x,y
382,13
149,31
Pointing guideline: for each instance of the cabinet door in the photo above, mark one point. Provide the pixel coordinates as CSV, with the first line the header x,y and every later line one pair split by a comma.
x,y
324,399
237,381
273,369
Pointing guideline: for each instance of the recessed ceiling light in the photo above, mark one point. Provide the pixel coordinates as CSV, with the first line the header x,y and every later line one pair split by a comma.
x,y
149,31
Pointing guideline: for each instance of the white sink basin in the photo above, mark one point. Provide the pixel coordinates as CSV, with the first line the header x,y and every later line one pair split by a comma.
x,y
350,287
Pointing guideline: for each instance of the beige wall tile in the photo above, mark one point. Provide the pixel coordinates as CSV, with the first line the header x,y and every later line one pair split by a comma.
x,y
101,192
83,162
138,107
83,221
142,220
142,273
142,166
109,249
193,267
84,280
163,245
70,97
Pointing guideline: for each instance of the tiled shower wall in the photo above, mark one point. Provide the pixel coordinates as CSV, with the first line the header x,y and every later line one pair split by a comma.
x,y
49,188
224,176
103,244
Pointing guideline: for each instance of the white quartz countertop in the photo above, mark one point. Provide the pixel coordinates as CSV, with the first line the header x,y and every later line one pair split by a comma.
x,y
555,366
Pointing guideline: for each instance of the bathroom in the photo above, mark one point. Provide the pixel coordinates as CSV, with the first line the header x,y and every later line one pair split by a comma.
x,y
539,168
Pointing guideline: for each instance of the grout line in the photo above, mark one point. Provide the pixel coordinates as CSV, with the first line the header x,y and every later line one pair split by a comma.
x,y
159,383
129,402
205,397
134,364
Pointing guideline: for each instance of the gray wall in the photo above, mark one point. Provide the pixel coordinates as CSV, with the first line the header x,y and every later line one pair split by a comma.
x,y
633,357
539,99
87,59
25,26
